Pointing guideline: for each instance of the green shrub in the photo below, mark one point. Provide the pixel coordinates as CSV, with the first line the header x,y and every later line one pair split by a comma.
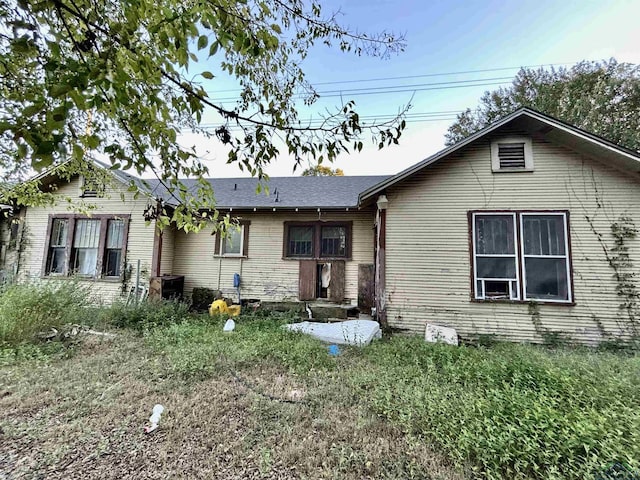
x,y
145,315
201,298
30,308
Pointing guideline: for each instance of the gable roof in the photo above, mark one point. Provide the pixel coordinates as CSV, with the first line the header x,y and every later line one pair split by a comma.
x,y
284,192
552,128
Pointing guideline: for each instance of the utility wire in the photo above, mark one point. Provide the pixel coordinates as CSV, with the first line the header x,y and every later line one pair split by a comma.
x,y
425,75
391,89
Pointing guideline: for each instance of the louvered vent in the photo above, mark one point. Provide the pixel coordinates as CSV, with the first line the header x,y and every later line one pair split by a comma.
x,y
511,155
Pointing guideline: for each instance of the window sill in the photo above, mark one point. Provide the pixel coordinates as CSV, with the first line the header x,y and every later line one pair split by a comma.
x,y
513,170
82,278
319,259
523,302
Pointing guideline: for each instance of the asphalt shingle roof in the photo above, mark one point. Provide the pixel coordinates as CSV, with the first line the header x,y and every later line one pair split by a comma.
x,y
284,192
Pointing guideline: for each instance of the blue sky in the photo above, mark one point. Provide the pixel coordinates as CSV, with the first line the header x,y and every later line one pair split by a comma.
x,y
444,37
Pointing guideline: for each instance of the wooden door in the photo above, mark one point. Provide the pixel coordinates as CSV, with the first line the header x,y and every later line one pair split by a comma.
x,y
366,288
307,280
336,285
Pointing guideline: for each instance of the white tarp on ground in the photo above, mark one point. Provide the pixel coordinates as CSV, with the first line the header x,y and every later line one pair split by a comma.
x,y
351,332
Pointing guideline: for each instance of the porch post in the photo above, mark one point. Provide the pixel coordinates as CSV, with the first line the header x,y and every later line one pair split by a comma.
x,y
380,277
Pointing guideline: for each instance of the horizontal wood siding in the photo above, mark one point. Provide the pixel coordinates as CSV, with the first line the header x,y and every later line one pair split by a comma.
x,y
265,274
428,272
168,246
139,243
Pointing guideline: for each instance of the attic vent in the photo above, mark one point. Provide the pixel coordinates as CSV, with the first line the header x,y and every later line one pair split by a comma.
x,y
511,155
88,188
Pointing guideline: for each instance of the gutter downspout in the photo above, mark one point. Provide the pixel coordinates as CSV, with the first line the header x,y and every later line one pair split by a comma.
x,y
380,274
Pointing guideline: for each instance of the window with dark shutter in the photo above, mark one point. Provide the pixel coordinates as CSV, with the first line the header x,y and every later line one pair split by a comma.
x,y
511,155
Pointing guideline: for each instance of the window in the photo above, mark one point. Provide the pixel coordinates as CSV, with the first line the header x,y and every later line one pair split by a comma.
x,y
300,241
57,247
85,247
512,154
93,247
532,245
320,240
232,244
235,242
113,248
545,256
333,241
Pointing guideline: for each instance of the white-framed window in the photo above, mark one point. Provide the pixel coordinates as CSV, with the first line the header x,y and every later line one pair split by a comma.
x,y
545,256
231,245
521,256
495,256
512,154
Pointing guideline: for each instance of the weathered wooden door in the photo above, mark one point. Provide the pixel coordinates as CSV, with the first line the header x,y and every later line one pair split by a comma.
x,y
366,286
307,280
336,285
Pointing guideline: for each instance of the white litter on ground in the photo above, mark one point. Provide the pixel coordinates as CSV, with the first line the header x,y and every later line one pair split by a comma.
x,y
436,333
229,326
351,332
154,419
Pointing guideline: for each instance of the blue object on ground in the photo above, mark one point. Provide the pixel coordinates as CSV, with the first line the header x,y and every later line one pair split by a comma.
x,y
334,350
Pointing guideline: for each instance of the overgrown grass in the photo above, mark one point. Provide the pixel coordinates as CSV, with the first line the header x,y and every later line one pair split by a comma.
x,y
508,411
498,411
28,309
198,347
145,315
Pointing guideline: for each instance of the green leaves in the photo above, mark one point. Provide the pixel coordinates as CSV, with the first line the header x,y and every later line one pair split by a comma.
x,y
203,41
600,97
100,77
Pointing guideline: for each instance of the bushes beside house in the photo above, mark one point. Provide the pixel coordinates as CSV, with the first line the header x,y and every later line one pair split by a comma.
x,y
28,309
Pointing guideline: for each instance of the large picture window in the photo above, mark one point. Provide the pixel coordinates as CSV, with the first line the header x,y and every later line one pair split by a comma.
x,y
521,256
86,246
321,240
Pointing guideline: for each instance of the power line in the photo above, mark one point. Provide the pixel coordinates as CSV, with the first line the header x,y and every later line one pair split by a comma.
x,y
399,88
424,75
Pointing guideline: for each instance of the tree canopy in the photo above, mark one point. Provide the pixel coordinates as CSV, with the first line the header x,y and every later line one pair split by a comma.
x,y
322,171
600,97
122,80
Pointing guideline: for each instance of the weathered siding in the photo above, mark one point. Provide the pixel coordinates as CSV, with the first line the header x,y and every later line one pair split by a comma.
x,y
168,246
139,244
265,274
428,259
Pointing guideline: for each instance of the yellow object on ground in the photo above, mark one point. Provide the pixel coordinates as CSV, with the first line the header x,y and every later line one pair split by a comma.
x,y
220,306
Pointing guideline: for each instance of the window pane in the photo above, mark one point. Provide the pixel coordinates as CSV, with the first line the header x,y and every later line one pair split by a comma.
x,y
85,261
115,233
232,241
494,234
85,246
57,258
59,233
546,278
87,234
300,242
334,241
496,267
112,263
543,234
